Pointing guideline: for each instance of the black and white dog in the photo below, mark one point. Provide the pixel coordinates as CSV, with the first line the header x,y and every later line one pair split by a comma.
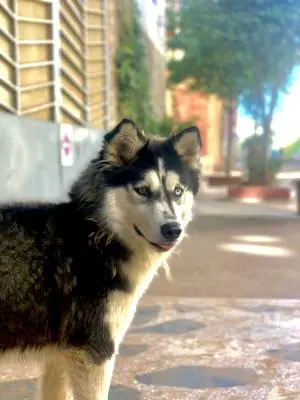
x,y
71,274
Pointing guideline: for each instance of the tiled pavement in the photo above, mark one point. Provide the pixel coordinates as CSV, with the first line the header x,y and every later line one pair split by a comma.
x,y
196,337
194,349
213,349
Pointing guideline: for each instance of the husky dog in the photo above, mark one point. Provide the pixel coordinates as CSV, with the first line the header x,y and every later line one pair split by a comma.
x,y
71,274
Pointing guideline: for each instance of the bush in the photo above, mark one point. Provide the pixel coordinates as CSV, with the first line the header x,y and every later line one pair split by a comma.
x,y
253,146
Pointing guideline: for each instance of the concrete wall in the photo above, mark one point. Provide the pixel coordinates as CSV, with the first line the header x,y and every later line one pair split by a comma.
x,y
30,160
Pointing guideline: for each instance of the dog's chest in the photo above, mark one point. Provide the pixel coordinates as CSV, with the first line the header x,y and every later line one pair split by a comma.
x,y
121,306
121,310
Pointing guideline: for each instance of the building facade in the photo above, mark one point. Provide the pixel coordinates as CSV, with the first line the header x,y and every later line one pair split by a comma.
x,y
57,59
58,88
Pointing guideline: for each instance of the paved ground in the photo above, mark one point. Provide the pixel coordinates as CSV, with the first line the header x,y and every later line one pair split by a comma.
x,y
206,334
235,250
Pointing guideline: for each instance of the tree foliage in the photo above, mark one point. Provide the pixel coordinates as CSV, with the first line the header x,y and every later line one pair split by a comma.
x,y
255,163
239,50
132,72
231,46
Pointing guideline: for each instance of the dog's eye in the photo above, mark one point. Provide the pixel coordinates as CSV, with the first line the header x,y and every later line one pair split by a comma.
x,y
143,191
178,191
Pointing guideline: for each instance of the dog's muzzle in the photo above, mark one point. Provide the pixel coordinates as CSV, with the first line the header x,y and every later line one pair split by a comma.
x,y
166,246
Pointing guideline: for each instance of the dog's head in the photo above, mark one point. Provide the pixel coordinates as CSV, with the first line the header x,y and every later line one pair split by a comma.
x,y
142,189
150,185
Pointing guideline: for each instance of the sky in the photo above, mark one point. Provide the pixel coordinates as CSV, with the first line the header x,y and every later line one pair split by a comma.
x,y
286,122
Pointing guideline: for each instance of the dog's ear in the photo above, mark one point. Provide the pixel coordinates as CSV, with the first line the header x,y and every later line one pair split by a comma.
x,y
122,144
187,144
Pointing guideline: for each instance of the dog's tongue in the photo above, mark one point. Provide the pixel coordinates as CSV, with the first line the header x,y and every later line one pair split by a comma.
x,y
167,246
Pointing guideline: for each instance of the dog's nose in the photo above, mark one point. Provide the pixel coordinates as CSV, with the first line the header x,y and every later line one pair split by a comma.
x,y
171,231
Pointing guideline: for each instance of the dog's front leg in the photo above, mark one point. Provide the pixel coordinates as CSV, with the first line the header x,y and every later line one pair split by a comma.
x,y
88,380
54,381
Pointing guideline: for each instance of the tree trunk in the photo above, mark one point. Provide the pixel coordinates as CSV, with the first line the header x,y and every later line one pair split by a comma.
x,y
229,155
267,121
266,148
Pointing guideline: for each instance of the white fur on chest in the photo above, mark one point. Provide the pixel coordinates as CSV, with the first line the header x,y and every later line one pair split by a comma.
x,y
121,310
121,306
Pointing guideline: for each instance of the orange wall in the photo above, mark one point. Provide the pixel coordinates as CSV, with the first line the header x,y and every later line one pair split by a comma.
x,y
191,106
206,112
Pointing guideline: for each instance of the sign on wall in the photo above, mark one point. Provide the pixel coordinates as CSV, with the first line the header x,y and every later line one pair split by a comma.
x,y
66,145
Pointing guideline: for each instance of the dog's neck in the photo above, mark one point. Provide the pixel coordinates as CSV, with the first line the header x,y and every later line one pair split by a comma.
x,y
143,266
142,261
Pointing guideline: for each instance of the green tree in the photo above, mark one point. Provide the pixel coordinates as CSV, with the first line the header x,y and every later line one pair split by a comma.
x,y
239,50
131,68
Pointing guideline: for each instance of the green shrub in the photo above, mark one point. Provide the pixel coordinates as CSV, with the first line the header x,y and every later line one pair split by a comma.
x,y
255,162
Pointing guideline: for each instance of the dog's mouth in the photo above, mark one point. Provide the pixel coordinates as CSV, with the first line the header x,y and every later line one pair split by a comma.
x,y
160,247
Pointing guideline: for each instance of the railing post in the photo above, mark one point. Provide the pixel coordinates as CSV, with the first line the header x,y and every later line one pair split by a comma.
x,y
56,59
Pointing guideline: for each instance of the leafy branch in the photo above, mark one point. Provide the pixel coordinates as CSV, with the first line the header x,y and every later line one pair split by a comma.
x,y
132,72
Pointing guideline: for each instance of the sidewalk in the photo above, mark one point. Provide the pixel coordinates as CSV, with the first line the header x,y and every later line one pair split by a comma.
x,y
237,250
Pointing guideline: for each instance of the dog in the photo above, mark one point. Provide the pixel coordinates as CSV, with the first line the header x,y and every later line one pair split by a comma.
x,y
72,273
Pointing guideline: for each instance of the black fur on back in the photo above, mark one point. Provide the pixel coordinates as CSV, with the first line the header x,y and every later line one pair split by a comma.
x,y
55,274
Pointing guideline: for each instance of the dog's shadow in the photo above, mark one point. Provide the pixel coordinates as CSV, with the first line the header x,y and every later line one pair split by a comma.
x,y
26,390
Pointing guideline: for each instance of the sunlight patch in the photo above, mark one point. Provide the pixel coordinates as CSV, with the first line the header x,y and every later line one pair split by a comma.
x,y
253,249
257,238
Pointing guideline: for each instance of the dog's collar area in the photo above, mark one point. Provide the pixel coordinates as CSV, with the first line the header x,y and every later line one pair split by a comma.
x,y
165,247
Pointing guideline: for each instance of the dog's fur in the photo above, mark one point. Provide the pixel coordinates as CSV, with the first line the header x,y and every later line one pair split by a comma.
x,y
71,274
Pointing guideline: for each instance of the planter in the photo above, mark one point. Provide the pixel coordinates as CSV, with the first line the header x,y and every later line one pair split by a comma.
x,y
259,193
215,180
